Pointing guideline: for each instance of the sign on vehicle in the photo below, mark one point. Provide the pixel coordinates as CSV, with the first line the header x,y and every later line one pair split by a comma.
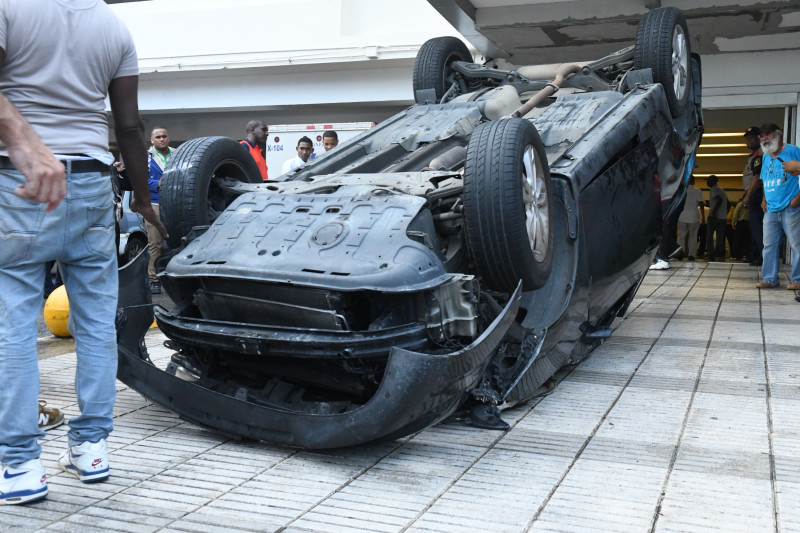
x,y
283,138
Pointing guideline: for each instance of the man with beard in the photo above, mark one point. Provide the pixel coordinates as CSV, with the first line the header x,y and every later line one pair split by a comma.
x,y
781,205
753,194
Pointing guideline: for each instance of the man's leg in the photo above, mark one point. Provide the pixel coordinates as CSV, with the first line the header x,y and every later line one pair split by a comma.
x,y
683,238
791,226
719,250
773,233
692,244
90,275
743,239
21,287
702,237
711,226
154,241
756,226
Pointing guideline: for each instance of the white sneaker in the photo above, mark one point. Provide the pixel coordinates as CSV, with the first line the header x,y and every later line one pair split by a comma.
x,y
87,461
660,265
23,483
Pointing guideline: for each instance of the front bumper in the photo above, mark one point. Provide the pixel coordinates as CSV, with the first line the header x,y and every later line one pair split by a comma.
x,y
417,389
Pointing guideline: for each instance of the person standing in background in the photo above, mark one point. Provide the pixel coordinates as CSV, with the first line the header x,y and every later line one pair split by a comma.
x,y
330,140
305,149
689,220
256,143
753,194
157,157
717,218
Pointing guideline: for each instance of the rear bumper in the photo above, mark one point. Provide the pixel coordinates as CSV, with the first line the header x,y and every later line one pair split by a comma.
x,y
417,390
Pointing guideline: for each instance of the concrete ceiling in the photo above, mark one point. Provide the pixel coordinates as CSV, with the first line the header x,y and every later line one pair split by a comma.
x,y
551,31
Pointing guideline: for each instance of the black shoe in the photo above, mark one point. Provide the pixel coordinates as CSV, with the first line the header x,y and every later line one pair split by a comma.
x,y
155,287
756,263
691,258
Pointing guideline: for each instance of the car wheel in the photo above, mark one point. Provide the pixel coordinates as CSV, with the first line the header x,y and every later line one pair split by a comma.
x,y
188,195
662,44
507,205
133,247
432,66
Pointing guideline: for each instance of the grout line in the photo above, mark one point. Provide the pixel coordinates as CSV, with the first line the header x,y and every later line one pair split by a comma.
x,y
603,418
685,422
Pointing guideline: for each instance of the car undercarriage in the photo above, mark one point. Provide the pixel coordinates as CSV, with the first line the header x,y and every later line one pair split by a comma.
x,y
452,258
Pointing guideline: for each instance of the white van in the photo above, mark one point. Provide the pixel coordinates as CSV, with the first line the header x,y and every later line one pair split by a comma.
x,y
283,138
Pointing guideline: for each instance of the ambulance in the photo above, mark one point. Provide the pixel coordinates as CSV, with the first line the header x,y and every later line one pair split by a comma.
x,y
283,138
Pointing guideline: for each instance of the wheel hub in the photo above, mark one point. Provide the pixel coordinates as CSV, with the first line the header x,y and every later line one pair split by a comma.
x,y
680,62
534,197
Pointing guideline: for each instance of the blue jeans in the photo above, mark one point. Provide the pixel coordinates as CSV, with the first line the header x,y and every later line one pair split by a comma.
x,y
776,225
79,235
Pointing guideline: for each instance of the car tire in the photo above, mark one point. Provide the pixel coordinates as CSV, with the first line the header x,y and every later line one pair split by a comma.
x,y
133,247
187,196
662,45
431,66
507,205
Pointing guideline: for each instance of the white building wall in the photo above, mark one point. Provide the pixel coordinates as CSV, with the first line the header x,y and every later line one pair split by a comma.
x,y
209,66
262,56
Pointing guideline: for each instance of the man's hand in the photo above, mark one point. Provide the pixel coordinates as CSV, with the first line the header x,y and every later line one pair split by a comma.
x,y
793,168
146,210
764,204
44,174
795,202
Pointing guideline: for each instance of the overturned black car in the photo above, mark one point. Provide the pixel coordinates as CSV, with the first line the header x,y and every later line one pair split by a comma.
x,y
453,257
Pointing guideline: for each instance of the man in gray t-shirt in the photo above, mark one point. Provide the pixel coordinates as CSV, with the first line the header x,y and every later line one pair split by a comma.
x,y
717,217
59,59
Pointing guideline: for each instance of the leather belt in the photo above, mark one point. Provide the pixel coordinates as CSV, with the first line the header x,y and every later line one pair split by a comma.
x,y
76,166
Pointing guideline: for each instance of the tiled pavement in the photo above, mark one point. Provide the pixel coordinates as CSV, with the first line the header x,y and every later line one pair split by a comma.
x,y
685,420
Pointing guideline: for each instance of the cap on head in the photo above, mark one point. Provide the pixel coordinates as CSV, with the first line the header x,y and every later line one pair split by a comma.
x,y
769,127
752,130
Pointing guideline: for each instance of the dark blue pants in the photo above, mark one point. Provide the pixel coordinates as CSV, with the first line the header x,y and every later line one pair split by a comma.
x,y
756,226
716,247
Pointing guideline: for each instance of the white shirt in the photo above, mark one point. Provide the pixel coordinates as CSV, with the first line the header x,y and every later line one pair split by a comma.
x,y
690,213
292,164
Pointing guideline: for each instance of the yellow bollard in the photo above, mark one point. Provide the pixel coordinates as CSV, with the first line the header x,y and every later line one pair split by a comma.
x,y
56,312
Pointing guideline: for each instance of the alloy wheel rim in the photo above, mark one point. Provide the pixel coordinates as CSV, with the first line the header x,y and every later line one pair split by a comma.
x,y
534,198
680,62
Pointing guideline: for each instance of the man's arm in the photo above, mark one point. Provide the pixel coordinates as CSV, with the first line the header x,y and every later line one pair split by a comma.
x,y
792,167
129,129
754,185
44,174
715,201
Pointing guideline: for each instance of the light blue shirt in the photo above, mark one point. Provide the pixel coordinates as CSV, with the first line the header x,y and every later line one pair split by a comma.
x,y
779,186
